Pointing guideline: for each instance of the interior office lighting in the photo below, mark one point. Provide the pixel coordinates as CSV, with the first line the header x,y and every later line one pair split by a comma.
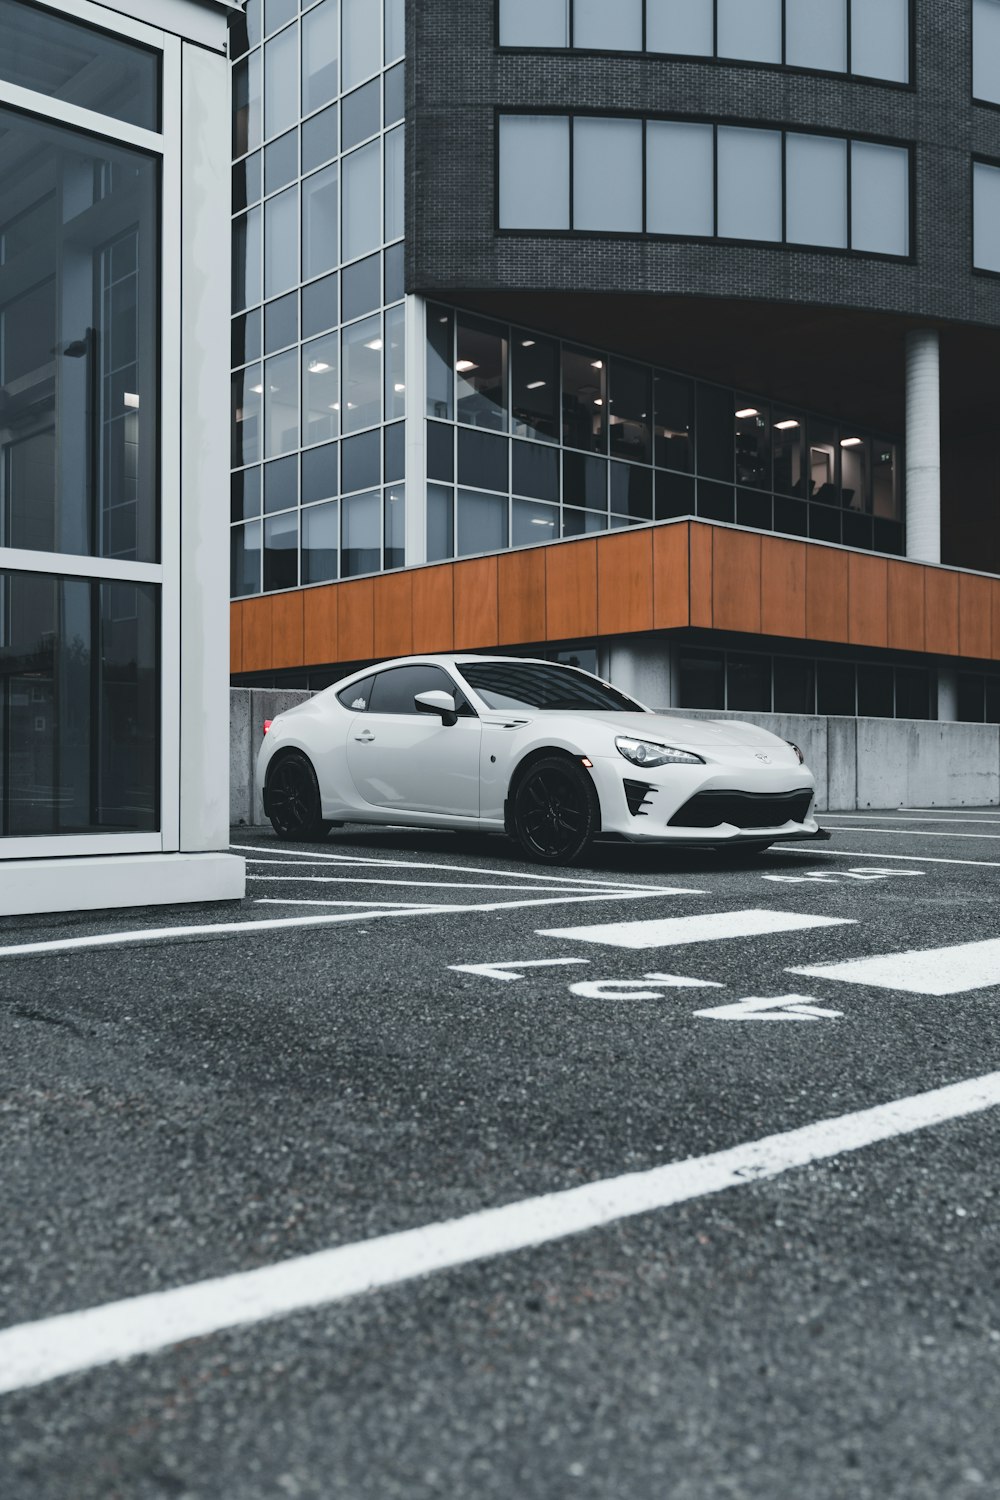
x,y
535,385
399,388
130,399
317,366
785,426
258,390
597,364
598,401
527,343
748,411
851,442
465,365
375,344
542,523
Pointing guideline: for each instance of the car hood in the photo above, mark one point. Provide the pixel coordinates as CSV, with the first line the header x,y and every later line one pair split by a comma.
x,y
672,729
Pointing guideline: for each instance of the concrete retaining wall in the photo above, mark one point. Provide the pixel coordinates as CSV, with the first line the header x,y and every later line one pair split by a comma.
x,y
857,763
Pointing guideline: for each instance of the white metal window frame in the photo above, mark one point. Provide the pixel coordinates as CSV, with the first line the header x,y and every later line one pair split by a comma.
x,y
166,145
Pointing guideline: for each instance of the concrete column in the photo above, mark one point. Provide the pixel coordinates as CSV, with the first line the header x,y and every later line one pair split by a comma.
x,y
923,446
947,694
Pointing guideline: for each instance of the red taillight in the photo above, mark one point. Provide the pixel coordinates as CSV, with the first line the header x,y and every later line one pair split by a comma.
x,y
267,724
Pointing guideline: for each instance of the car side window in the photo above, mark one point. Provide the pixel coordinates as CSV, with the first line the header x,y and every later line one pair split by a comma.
x,y
395,690
357,695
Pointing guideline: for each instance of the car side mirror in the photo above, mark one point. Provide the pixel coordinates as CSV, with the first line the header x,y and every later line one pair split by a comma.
x,y
437,702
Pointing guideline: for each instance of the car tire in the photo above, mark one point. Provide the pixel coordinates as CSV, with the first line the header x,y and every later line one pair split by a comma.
x,y
293,800
554,811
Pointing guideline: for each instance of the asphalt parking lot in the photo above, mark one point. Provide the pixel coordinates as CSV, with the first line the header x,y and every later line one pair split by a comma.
x,y
425,1172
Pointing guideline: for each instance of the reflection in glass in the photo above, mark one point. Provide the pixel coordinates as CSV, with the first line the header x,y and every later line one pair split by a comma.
x,y
248,390
483,461
702,679
280,484
281,552
75,63
532,524
361,461
281,323
534,387
320,138
281,403
320,543
247,114
787,436
361,114
281,82
320,220
673,400
440,522
824,451
440,371
748,683
394,184
986,216
394,94
630,412
395,526
753,444
320,479
79,291
584,400
281,242
79,706
395,29
395,364
481,374
585,482
361,547
581,522
362,201
632,492
321,389
716,415
320,55
885,483
482,523
794,686
362,40
247,260
361,403
244,490
244,562
854,473
535,471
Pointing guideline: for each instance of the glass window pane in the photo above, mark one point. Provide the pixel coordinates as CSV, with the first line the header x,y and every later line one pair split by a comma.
x,y
395,288
816,34
319,473
320,55
749,183
584,400
245,494
394,96
585,482
394,547
395,29
532,524
854,472
986,50
787,442
483,461
583,522
835,688
875,692
794,686
395,364
748,683
248,388
481,366
247,260
244,560
362,40
630,412
631,492
247,114
913,690
482,523
361,546
702,679
320,138
716,414
534,23
277,13
683,26
816,190
245,341
247,182
535,471
880,198
753,444
440,451
281,161
534,387
394,184
534,172
750,29
281,403
79,343
362,364
395,452
824,454
673,400
78,64
607,174
281,322
281,552
280,485
281,82
319,305
674,496
321,543
361,114
440,522
281,242
362,288
608,28
320,216
360,461
986,216
321,389
440,370
680,178
886,499
880,40
362,200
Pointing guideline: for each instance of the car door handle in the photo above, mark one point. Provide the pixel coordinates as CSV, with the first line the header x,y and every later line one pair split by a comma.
x,y
366,737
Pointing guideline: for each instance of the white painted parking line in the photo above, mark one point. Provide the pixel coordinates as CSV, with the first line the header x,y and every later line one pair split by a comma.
x,y
775,1008
920,971
909,859
707,927
509,971
431,885
409,864
33,1353
900,818
913,833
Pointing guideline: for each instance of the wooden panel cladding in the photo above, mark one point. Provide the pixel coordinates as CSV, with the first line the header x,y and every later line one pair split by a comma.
x,y
571,591
782,587
905,606
826,594
521,596
867,600
625,583
736,581
975,632
671,577
940,612
658,578
476,604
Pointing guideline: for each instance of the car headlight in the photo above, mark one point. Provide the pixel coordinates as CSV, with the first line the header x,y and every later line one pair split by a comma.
x,y
798,752
648,753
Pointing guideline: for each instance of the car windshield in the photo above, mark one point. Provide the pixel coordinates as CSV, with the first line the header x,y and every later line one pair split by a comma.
x,y
542,685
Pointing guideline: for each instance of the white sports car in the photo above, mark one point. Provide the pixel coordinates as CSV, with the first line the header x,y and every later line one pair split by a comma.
x,y
546,753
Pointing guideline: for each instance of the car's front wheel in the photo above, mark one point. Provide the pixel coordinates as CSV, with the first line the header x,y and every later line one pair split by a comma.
x,y
555,812
293,801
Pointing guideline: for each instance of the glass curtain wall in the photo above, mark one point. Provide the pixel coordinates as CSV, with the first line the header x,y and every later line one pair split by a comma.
x,y
319,386
530,439
680,178
757,682
79,436
870,38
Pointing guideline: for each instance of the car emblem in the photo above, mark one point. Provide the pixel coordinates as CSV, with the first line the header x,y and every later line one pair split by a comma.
x,y
761,756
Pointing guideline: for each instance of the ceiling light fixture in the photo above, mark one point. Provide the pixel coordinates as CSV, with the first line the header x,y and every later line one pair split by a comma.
x,y
465,365
527,343
317,366
130,399
375,344
748,411
785,426
851,442
535,385
597,364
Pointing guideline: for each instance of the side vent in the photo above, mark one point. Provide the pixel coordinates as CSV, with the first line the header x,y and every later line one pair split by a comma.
x,y
637,799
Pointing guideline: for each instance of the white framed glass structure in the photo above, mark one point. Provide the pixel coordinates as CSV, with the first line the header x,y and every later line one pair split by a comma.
x,y
112,613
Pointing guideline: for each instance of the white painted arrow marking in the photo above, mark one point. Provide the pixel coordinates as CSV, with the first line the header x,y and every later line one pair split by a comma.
x,y
505,971
632,989
775,1008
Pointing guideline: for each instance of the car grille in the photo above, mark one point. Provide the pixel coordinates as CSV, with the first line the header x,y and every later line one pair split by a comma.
x,y
742,809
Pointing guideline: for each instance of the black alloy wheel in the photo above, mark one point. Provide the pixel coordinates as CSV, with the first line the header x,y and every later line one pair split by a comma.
x,y
293,800
555,811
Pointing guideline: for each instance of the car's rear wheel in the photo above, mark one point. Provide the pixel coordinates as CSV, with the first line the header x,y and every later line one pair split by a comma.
x,y
293,801
555,811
